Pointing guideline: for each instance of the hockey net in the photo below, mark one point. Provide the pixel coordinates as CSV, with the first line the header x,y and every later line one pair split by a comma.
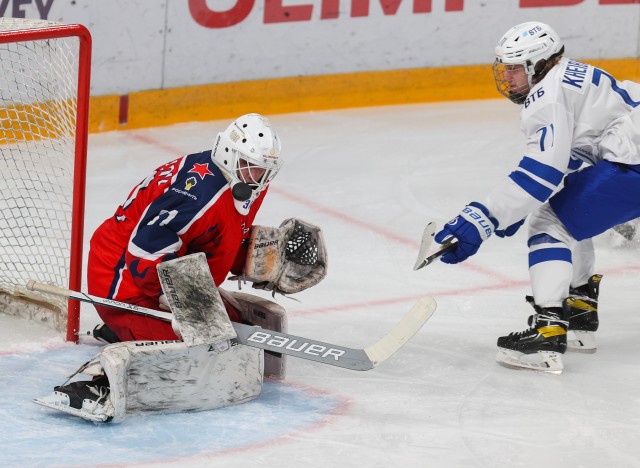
x,y
44,93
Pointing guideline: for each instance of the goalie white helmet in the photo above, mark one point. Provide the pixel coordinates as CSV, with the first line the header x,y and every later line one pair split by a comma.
x,y
531,47
248,152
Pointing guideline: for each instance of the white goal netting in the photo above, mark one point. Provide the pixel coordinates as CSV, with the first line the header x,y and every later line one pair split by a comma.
x,y
38,97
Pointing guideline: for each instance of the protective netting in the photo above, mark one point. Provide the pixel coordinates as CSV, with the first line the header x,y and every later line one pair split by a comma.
x,y
38,93
302,247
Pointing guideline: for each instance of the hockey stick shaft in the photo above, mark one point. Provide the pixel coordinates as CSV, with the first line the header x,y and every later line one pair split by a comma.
x,y
449,246
341,356
292,345
423,261
88,298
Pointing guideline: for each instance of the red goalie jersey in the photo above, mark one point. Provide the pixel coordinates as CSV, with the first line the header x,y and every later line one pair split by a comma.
x,y
183,207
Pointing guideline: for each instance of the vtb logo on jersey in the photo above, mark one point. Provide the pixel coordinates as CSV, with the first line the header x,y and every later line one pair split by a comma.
x,y
201,169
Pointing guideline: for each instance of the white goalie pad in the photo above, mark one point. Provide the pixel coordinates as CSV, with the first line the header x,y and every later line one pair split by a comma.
x,y
169,377
288,259
265,314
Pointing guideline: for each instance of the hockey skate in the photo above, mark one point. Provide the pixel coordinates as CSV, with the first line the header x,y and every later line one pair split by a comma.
x,y
86,399
538,348
582,308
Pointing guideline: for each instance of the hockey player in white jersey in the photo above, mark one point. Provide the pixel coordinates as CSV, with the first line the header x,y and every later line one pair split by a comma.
x,y
573,115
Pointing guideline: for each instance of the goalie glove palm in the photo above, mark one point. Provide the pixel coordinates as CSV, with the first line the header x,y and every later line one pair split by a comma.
x,y
471,228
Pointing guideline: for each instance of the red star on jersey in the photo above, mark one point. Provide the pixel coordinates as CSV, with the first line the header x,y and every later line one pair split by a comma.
x,y
201,169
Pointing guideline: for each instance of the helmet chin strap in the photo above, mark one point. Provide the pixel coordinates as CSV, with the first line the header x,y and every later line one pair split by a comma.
x,y
531,84
530,70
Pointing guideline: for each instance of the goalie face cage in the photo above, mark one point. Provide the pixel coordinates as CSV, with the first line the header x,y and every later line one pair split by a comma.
x,y
44,106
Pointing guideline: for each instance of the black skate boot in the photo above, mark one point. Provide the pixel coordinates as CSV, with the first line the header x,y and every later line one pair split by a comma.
x,y
582,307
105,334
94,390
538,348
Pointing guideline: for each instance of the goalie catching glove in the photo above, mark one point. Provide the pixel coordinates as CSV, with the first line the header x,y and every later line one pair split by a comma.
x,y
287,260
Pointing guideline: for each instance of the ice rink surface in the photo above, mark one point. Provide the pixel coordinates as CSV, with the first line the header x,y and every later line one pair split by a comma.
x,y
371,178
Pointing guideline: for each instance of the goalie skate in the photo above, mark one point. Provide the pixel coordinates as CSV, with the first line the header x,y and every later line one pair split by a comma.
x,y
80,399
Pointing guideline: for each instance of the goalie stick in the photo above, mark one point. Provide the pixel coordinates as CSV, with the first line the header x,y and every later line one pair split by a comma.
x,y
361,359
425,244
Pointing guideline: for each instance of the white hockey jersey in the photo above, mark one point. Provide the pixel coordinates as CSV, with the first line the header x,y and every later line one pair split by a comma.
x,y
577,113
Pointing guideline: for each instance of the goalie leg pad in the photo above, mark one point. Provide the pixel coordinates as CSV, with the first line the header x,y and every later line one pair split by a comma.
x,y
171,377
265,314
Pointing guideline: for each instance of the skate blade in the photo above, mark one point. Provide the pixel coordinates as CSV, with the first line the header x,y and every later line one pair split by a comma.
x,y
56,403
542,361
582,342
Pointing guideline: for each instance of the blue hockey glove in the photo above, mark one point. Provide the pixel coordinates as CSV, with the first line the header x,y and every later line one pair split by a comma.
x,y
471,227
510,230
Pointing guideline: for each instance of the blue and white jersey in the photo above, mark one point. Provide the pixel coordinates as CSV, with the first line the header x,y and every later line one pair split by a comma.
x,y
577,114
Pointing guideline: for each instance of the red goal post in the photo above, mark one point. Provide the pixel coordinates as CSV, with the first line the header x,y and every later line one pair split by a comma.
x,y
29,120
